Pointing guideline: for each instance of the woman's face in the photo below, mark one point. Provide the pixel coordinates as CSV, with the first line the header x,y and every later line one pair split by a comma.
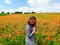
x,y
32,21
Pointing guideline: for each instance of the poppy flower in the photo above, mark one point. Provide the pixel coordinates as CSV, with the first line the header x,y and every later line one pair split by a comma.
x,y
49,38
0,44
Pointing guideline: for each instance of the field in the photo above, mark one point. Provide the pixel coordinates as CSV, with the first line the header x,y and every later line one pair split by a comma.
x,y
12,29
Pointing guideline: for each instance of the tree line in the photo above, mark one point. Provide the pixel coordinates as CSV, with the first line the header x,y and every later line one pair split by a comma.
x,y
3,13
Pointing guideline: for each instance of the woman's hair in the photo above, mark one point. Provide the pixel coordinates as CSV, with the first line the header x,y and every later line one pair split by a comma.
x,y
32,18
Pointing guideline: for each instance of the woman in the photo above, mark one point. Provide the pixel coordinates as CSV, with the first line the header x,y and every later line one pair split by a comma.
x,y
30,30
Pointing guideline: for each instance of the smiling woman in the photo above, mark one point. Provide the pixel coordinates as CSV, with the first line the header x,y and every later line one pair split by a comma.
x,y
30,30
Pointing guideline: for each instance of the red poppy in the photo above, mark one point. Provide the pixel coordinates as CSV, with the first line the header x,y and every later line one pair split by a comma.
x,y
0,44
49,38
0,26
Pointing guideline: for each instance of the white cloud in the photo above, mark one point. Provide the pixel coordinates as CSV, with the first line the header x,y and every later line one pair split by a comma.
x,y
41,6
49,8
27,9
24,9
53,7
38,3
7,2
8,10
44,5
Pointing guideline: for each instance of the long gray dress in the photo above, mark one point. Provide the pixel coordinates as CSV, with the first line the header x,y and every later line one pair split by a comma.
x,y
30,40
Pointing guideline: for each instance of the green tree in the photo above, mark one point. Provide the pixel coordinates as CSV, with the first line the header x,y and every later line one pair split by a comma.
x,y
18,12
3,13
8,12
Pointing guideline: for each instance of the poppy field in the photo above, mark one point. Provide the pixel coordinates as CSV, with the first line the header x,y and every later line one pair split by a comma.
x,y
12,29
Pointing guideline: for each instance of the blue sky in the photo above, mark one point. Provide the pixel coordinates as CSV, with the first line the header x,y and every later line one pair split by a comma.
x,y
14,4
30,5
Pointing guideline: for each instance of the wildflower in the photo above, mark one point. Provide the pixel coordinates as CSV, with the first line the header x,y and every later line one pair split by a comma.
x,y
0,44
0,26
49,38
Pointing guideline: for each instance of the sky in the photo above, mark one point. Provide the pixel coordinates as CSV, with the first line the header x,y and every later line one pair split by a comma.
x,y
30,5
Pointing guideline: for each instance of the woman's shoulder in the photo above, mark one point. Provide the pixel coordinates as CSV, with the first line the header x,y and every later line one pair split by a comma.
x,y
27,25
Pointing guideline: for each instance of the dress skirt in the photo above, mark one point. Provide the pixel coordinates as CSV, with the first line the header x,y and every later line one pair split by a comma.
x,y
30,41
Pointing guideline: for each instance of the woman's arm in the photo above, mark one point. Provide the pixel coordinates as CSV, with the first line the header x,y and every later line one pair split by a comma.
x,y
28,31
34,29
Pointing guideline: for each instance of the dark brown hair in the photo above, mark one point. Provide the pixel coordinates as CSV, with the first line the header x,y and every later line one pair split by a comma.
x,y
32,18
